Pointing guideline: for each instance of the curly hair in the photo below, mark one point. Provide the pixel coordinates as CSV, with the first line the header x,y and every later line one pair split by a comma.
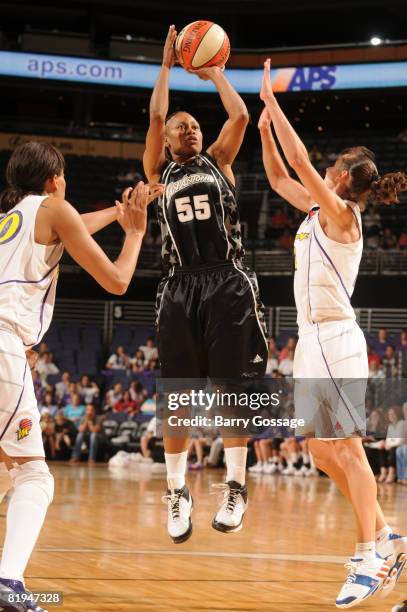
x,y
365,182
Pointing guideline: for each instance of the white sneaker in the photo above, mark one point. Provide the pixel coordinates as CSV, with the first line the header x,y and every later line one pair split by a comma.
x,y
393,548
289,471
365,578
135,457
229,517
269,468
179,524
120,459
257,468
400,607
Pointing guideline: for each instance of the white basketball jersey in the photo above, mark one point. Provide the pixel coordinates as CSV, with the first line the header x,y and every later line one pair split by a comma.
x,y
325,273
28,273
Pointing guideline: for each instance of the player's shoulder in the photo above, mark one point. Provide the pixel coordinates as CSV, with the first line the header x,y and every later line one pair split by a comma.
x,y
225,170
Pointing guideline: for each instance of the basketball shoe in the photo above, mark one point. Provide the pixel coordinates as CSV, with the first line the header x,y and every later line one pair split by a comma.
x,y
400,607
257,468
229,517
365,578
393,548
15,598
179,502
270,467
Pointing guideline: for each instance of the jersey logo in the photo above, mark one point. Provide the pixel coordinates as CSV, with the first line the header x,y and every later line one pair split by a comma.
x,y
24,429
302,236
10,225
187,181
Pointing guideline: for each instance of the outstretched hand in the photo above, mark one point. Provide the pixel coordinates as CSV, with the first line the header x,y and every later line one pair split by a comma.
x,y
169,56
266,92
132,211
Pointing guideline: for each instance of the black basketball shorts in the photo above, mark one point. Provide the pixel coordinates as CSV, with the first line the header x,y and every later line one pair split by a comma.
x,y
210,323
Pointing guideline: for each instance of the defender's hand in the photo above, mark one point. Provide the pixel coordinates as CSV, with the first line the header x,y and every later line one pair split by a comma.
x,y
266,92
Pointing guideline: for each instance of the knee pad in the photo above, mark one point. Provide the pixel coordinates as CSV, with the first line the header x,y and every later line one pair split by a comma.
x,y
36,474
5,481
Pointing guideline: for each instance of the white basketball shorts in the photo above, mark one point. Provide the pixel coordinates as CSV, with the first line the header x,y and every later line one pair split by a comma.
x,y
20,432
330,372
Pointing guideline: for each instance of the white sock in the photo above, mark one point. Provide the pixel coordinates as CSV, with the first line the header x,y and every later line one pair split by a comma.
x,y
33,491
366,550
236,464
176,467
383,533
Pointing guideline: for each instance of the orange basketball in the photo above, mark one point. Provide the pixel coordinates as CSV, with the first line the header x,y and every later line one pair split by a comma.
x,y
201,44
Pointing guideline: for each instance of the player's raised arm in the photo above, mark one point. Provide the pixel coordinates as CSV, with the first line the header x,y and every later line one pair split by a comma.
x,y
66,224
154,154
229,141
279,179
297,156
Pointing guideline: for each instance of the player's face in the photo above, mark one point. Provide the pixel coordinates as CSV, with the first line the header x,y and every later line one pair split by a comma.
x,y
183,136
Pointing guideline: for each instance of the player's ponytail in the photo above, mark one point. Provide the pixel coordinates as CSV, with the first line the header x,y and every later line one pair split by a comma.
x,y
30,165
385,189
364,180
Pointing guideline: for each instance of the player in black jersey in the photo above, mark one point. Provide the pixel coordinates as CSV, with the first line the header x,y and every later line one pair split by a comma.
x,y
210,321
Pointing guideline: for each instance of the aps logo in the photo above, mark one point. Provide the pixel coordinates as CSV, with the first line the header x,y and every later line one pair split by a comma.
x,y
10,225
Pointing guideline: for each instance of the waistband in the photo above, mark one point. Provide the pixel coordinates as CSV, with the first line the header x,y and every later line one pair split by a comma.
x,y
327,325
225,265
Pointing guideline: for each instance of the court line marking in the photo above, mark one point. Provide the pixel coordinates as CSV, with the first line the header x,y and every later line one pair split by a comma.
x,y
188,553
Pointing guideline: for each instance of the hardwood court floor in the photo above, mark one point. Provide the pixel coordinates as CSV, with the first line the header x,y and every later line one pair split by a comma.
x,y
105,546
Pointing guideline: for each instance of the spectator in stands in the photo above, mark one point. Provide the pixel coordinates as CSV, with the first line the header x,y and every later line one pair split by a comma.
x,y
43,348
390,362
396,436
149,404
88,390
403,341
48,435
401,456
279,219
402,242
291,344
372,356
75,410
286,240
119,360
371,221
126,404
138,362
48,405
38,388
376,371
90,433
149,349
286,365
148,439
65,434
137,392
381,342
389,240
131,176
153,364
272,358
113,396
62,387
46,366
72,389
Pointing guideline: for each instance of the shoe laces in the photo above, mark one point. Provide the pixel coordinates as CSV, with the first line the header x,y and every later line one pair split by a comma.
x,y
352,568
230,496
174,499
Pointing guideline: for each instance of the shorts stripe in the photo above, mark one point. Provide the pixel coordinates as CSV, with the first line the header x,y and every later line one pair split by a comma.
x,y
254,304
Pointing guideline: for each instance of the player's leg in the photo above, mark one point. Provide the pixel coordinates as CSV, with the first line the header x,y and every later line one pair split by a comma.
x,y
22,452
367,571
180,358
236,343
257,468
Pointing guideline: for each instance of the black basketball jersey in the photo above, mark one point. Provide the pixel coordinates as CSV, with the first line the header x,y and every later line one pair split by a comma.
x,y
198,215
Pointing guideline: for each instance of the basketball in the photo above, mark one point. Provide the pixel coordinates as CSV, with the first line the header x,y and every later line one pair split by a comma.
x,y
202,44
